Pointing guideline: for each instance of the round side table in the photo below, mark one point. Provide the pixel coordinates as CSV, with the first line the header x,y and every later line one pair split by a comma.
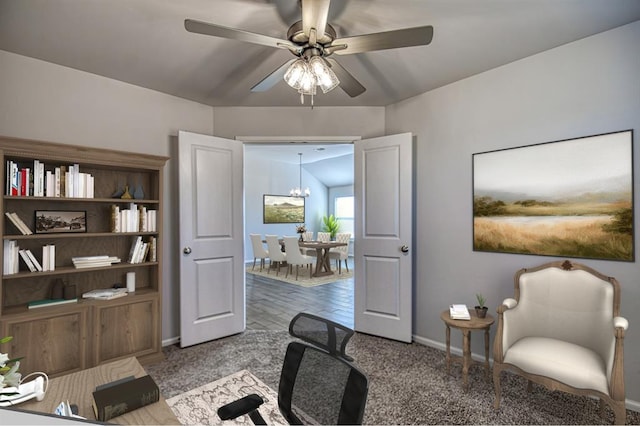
x,y
466,327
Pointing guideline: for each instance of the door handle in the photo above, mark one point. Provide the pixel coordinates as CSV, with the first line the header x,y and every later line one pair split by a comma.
x,y
404,249
186,250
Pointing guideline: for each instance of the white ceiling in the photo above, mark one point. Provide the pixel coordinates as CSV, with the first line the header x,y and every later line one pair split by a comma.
x,y
143,42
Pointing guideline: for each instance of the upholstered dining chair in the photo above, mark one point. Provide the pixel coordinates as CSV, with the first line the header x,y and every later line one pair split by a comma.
x,y
325,237
275,253
563,330
294,257
307,236
259,252
342,252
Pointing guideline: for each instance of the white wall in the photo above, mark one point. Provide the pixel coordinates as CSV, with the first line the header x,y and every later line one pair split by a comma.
x,y
261,177
588,87
40,100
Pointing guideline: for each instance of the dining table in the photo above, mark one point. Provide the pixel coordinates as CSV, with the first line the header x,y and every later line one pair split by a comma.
x,y
323,264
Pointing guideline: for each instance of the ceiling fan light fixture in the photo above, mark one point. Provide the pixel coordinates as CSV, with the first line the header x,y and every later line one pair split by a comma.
x,y
325,77
295,74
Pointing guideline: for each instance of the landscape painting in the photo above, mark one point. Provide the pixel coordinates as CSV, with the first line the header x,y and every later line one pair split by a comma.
x,y
571,198
283,209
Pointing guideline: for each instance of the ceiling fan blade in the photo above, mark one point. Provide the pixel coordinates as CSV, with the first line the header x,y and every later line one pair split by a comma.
x,y
270,80
314,15
418,36
348,82
215,30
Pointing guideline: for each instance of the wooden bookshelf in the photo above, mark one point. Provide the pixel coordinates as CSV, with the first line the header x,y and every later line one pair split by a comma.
x,y
71,337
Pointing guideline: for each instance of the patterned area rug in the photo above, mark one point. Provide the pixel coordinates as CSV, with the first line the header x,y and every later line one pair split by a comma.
x,y
199,406
303,276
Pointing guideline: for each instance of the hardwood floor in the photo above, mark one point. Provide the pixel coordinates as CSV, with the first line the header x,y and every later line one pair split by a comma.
x,y
271,304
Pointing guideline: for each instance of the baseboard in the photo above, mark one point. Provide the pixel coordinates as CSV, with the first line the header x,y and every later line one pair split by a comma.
x,y
629,404
170,341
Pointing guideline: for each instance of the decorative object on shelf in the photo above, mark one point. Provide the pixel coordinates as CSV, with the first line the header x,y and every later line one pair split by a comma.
x,y
299,192
331,225
57,289
126,195
283,209
69,292
138,194
131,282
60,221
118,192
301,229
481,309
9,376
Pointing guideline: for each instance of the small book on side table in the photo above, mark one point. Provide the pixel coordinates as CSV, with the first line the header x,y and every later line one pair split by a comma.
x,y
459,312
124,396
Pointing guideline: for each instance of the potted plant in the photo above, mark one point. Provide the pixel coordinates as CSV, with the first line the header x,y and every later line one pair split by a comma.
x,y
330,224
481,309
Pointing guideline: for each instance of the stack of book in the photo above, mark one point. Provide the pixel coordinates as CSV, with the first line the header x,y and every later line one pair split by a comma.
x,y
134,219
61,181
105,293
94,261
459,312
122,396
140,249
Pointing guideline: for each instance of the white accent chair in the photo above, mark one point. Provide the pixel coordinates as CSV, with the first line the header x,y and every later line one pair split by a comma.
x,y
563,330
259,252
275,253
341,253
294,257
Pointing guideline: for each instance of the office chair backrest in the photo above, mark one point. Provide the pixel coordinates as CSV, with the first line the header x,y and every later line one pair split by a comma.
x,y
318,384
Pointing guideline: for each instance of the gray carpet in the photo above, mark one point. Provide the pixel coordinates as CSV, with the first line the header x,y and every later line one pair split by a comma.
x,y
408,382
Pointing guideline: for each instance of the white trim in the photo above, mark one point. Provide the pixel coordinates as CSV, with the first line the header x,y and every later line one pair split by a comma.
x,y
170,341
275,140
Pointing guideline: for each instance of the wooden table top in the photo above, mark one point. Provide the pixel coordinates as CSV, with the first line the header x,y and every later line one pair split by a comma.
x,y
474,323
77,388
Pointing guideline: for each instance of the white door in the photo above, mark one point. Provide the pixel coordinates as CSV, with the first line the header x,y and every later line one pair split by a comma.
x,y
212,291
383,234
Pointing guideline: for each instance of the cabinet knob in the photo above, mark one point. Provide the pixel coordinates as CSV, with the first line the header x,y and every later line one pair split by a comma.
x,y
186,250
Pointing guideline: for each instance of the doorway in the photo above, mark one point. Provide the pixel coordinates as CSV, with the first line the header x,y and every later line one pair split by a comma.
x,y
272,167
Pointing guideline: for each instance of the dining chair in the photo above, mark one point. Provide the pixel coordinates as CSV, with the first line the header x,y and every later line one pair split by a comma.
x,y
325,237
275,252
294,257
307,236
342,252
259,252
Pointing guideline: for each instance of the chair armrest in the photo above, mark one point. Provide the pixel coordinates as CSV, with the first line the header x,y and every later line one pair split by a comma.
x,y
247,405
510,303
620,322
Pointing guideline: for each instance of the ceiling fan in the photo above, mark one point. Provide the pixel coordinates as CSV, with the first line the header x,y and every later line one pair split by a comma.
x,y
313,41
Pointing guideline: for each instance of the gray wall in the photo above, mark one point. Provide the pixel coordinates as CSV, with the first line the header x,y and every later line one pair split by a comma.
x,y
591,86
588,87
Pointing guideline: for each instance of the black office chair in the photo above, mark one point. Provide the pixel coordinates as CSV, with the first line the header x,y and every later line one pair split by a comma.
x,y
318,384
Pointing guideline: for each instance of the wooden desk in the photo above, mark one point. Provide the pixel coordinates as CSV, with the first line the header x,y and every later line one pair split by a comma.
x,y
466,326
77,388
323,265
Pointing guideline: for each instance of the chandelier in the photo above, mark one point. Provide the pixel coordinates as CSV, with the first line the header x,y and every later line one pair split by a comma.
x,y
299,192
306,73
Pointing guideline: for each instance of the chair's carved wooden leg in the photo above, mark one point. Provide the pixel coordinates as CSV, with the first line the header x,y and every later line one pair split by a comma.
x,y
496,387
620,412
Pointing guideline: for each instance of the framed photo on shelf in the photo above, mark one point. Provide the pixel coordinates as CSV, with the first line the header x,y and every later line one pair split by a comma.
x,y
569,198
283,209
60,221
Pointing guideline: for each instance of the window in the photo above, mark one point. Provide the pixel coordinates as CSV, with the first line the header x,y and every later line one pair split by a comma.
x,y
344,212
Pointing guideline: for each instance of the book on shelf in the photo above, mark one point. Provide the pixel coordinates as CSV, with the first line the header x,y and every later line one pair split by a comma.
x,y
48,257
34,260
18,223
50,302
124,397
94,261
11,261
459,312
105,293
27,260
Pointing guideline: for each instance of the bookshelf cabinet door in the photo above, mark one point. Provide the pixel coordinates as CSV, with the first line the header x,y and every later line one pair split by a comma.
x,y
54,343
126,329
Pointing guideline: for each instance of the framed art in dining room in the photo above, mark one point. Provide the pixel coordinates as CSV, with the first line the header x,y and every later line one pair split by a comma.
x,y
282,209
60,221
569,198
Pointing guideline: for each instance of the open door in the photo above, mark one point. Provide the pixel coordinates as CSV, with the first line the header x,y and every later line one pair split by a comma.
x,y
212,295
383,233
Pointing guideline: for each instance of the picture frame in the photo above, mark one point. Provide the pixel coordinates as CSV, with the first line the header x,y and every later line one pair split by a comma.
x,y
569,198
283,209
60,221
